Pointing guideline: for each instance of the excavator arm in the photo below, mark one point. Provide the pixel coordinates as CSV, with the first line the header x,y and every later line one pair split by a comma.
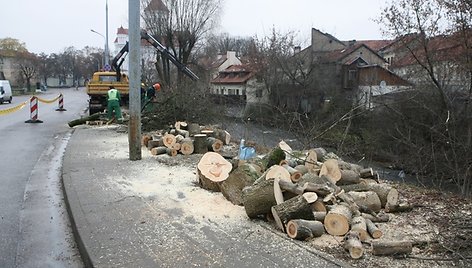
x,y
120,57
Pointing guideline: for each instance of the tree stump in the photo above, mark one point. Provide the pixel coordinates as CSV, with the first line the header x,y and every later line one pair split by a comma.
x,y
243,176
367,199
258,198
302,229
200,144
353,244
391,247
338,220
294,208
213,168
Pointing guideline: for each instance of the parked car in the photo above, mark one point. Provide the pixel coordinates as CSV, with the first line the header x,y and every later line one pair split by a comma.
x,y
5,91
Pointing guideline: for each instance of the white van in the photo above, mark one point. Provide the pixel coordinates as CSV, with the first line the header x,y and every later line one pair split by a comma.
x,y
5,91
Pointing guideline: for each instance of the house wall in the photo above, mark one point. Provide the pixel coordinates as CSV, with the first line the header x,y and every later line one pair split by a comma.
x,y
7,66
231,59
370,57
324,42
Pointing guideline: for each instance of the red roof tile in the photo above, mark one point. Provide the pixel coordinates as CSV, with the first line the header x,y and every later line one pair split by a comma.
x,y
122,30
234,74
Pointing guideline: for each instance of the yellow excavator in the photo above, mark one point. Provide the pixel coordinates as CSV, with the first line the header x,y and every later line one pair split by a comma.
x,y
98,86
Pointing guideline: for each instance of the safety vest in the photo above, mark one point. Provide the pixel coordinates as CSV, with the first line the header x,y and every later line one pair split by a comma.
x,y
113,94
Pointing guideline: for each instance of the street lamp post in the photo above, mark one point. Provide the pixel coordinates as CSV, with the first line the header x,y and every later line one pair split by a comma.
x,y
107,52
106,46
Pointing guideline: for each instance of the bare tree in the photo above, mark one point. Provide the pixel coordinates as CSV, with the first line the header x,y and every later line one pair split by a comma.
x,y
180,25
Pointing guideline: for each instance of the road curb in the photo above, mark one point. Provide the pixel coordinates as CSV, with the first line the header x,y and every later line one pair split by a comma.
x,y
70,197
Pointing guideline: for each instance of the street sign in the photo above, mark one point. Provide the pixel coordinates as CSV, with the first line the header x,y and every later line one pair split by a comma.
x,y
107,67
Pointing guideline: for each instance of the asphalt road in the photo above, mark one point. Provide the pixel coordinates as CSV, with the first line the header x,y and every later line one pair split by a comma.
x,y
34,226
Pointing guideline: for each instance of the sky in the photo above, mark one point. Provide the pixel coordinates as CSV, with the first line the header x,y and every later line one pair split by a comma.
x,y
50,26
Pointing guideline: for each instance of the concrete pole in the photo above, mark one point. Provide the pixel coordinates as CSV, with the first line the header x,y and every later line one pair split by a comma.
x,y
134,128
107,52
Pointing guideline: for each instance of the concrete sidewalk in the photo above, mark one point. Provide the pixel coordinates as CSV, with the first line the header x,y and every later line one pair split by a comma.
x,y
150,213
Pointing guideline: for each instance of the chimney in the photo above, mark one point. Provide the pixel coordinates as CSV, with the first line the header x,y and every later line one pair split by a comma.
x,y
297,49
351,43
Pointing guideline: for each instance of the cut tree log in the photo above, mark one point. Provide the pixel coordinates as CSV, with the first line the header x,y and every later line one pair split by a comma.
x,y
311,161
331,169
349,177
320,189
168,140
343,165
213,168
301,168
154,143
243,176
83,120
368,199
366,173
359,225
380,248
291,187
338,220
319,215
319,206
214,144
200,144
208,132
320,152
402,207
304,229
277,172
223,136
373,230
295,175
270,159
294,208
145,140
181,132
163,150
353,244
380,217
193,129
259,198
186,146
388,195
181,125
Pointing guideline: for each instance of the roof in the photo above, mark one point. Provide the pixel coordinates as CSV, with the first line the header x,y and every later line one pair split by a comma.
x,y
375,45
234,74
156,5
441,48
122,30
340,54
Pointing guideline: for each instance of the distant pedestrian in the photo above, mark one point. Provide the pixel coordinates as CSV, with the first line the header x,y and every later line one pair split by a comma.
x,y
113,104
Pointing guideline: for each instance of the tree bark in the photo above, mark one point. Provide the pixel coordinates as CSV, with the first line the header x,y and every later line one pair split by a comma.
x,y
213,168
359,224
294,208
373,230
163,150
391,247
243,176
199,143
303,229
367,199
259,198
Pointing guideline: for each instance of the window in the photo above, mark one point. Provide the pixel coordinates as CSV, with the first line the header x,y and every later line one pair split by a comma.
x,y
237,91
107,78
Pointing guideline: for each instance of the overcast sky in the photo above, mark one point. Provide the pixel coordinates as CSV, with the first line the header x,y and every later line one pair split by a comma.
x,y
51,25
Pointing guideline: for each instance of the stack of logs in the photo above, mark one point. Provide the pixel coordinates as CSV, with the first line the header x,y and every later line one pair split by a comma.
x,y
186,138
308,194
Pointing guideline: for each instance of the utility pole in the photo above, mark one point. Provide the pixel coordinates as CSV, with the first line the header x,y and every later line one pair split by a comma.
x,y
134,127
107,52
